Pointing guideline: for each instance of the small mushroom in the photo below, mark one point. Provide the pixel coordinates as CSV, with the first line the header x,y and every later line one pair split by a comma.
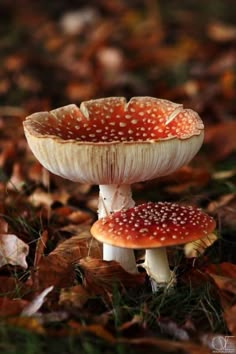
x,y
153,226
114,143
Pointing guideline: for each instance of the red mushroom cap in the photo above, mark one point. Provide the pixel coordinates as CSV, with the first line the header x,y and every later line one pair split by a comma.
x,y
153,225
110,141
113,119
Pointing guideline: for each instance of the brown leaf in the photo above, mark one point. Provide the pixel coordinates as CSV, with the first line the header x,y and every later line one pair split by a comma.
x,y
40,246
220,140
101,276
224,276
230,318
13,251
79,217
11,307
3,226
75,296
221,32
55,270
94,329
16,182
31,324
225,283
224,269
79,246
185,178
225,209
58,267
10,286
167,346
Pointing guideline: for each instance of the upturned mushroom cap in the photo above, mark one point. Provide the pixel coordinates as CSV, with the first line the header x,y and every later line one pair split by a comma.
x,y
110,141
153,225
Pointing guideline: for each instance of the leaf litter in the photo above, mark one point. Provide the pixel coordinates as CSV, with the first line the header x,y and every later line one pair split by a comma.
x,y
51,268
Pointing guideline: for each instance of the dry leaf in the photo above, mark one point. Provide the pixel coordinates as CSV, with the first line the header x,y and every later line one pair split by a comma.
x,y
185,178
36,303
224,276
225,209
54,270
40,246
196,248
79,246
100,277
3,226
17,181
94,329
221,32
31,324
172,329
165,345
58,267
11,307
220,140
225,283
224,269
10,286
75,296
230,318
13,251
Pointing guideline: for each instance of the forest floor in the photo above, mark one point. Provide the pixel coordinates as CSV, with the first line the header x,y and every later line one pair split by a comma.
x,y
56,294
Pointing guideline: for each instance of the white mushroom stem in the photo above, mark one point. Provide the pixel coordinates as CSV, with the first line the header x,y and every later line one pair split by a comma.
x,y
157,267
112,198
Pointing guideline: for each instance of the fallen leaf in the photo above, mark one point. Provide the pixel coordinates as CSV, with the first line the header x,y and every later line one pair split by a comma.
x,y
31,324
54,270
58,267
220,140
225,283
17,181
100,277
79,217
219,175
185,178
75,296
172,329
11,307
224,276
11,286
225,209
3,226
13,251
33,307
224,269
221,32
230,318
79,246
196,248
94,329
167,346
40,246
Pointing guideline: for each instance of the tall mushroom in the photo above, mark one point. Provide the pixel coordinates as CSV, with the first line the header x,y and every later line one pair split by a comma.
x,y
153,226
114,143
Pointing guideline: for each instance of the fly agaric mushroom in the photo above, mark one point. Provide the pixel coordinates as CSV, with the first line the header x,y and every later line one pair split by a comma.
x,y
114,143
153,226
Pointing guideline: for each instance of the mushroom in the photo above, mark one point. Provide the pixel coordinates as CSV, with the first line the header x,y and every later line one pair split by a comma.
x,y
153,226
114,143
